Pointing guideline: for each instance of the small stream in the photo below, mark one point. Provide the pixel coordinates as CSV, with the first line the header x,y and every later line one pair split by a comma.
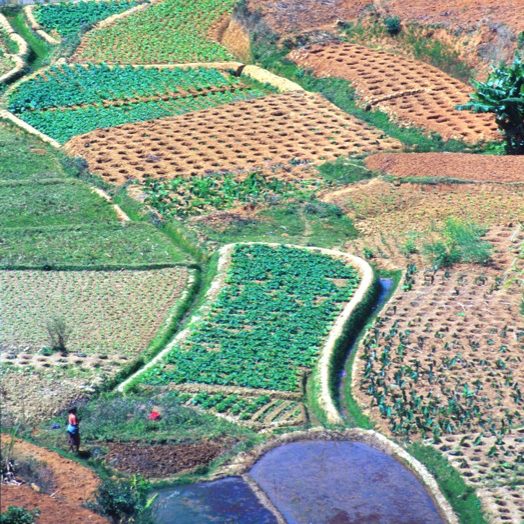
x,y
309,482
385,288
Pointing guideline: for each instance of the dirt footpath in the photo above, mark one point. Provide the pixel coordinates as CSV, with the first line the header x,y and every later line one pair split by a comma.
x,y
75,484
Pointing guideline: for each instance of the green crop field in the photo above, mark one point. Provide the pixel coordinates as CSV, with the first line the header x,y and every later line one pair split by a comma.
x,y
298,293
52,202
67,18
69,100
16,147
170,31
87,246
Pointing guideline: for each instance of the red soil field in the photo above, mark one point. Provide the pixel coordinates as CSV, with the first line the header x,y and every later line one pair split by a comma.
x,y
75,484
412,92
461,166
264,135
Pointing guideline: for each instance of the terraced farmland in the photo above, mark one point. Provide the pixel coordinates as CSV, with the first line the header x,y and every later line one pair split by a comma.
x,y
67,19
414,93
261,282
438,166
263,134
382,208
68,100
444,358
170,31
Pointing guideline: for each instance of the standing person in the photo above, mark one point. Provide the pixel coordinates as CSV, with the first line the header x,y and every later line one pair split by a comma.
x,y
73,431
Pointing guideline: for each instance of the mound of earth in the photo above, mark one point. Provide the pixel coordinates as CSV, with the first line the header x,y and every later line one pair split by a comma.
x,y
161,460
462,166
75,485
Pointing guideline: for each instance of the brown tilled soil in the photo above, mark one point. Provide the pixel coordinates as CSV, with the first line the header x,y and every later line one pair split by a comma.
x,y
75,485
462,166
380,208
256,135
412,92
460,327
297,16
161,460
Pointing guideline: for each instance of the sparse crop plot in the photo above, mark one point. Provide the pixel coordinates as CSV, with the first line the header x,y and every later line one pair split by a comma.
x,y
444,361
263,134
170,31
298,293
493,465
112,316
412,92
70,18
136,245
458,166
68,100
53,202
381,208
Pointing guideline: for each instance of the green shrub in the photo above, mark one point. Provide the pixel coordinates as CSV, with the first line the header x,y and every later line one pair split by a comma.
x,y
123,501
18,515
503,95
392,24
460,242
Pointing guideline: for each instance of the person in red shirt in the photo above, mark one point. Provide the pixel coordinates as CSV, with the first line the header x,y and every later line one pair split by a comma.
x,y
73,431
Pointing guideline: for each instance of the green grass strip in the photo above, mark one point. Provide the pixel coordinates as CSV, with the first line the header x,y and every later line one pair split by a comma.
x,y
91,246
462,498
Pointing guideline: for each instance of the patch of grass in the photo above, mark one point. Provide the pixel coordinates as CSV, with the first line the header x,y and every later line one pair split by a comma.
x,y
125,419
305,223
341,93
17,146
39,50
460,242
344,171
92,246
462,498
50,203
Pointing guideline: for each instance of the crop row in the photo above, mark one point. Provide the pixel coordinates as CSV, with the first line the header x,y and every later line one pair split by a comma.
x,y
62,125
268,323
68,18
170,31
70,100
69,85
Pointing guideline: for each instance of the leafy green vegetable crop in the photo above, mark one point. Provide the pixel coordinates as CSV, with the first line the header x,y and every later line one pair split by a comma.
x,y
266,327
68,100
171,31
67,18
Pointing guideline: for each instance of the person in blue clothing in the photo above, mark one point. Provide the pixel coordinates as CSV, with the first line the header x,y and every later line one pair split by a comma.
x,y
73,431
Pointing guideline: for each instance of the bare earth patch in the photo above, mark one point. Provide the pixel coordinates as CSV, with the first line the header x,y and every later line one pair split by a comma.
x,y
461,166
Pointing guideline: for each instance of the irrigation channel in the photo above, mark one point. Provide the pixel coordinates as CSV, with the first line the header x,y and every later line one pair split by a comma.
x,y
308,481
